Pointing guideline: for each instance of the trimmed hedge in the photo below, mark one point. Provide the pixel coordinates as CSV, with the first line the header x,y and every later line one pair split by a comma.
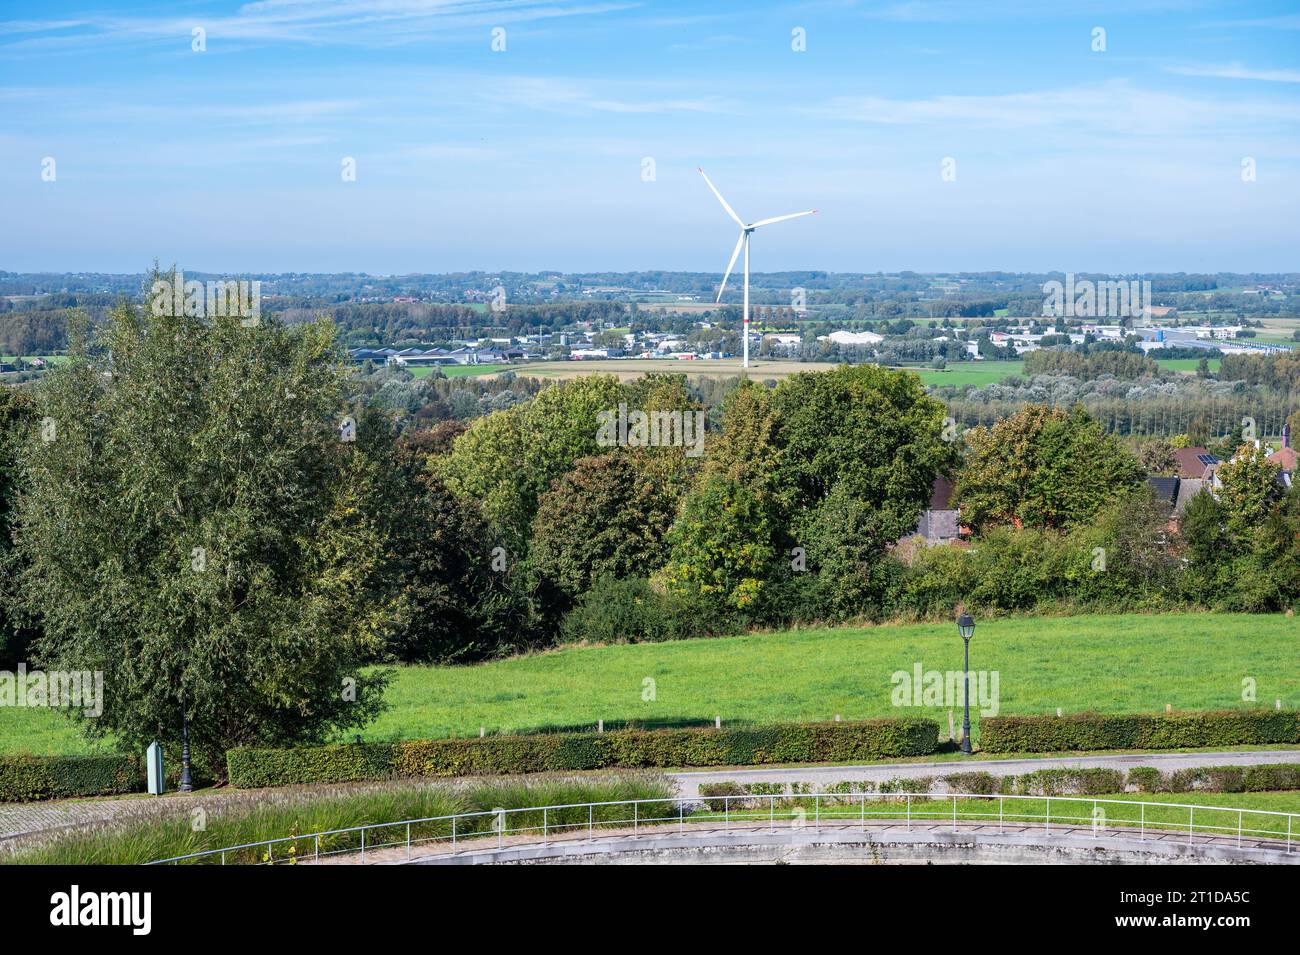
x,y
627,749
1067,782
1084,731
24,777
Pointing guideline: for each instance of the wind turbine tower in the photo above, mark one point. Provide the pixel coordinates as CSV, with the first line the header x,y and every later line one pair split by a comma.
x,y
746,230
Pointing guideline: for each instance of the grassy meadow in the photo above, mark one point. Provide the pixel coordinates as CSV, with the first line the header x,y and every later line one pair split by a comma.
x,y
1116,664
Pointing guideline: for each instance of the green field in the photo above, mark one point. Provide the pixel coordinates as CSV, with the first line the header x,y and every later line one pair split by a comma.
x,y
457,371
1116,664
1187,364
978,373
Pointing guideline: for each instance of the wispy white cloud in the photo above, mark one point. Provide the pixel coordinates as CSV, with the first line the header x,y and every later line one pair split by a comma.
x,y
563,95
1235,71
1290,21
346,22
1115,107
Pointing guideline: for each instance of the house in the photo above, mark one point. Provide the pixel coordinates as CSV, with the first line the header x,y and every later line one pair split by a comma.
x,y
1164,489
940,522
1194,463
1286,457
1188,488
1176,492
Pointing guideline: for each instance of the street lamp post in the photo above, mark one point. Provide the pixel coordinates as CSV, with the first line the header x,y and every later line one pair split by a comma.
x,y
187,785
966,627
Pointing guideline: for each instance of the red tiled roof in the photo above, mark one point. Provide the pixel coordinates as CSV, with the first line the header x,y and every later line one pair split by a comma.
x,y
1285,457
1192,462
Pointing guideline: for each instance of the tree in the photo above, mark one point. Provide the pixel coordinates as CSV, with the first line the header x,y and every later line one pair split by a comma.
x,y
1157,457
1249,488
837,463
508,459
1042,467
608,517
721,544
874,430
192,525
455,602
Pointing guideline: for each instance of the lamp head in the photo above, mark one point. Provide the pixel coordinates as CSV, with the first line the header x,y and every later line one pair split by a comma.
x,y
966,626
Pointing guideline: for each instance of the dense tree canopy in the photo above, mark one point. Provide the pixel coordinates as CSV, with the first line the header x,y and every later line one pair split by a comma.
x,y
191,522
1043,467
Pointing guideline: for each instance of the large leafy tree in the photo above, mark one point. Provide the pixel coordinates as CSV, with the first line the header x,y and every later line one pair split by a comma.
x,y
1248,489
507,460
454,606
874,431
837,464
608,517
193,524
1042,467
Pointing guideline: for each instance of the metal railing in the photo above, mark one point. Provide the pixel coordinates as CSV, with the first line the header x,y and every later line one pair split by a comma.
x,y
478,829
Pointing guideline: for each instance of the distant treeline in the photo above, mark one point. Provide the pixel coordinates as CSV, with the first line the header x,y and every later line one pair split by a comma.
x,y
1200,418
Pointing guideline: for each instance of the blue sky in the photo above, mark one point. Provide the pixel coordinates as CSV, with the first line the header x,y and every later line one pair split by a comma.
x,y
532,157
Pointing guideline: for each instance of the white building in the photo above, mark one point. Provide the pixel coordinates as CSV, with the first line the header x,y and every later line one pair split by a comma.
x,y
852,338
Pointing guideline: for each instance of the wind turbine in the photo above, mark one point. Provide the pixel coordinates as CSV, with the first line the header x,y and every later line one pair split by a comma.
x,y
745,231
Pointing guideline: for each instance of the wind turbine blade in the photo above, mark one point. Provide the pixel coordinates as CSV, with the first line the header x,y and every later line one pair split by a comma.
x,y
730,211
730,265
793,215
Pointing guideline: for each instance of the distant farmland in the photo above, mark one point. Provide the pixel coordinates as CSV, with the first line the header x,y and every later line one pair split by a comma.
x,y
696,368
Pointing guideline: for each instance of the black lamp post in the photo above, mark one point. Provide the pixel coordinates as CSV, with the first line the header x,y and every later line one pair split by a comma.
x,y
966,627
187,785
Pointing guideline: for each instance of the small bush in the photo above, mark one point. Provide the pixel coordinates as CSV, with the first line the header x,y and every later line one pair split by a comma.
x,y
24,777
633,611
1271,778
1145,779
713,795
976,783
1092,731
1070,782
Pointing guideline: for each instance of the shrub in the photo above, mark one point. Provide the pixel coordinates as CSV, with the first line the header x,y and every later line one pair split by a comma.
x,y
1070,782
977,783
1085,731
1270,778
24,777
713,793
1145,779
499,755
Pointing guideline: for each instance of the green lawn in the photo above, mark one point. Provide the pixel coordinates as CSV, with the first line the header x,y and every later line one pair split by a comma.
x,y
1117,664
457,371
978,373
1187,364
1075,810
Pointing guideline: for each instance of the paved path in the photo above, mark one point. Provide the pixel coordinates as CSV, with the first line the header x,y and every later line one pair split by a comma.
x,y
25,818
689,782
